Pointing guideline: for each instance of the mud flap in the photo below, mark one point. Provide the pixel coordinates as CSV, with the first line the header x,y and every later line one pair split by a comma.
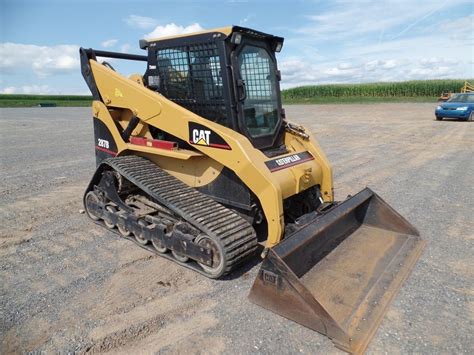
x,y
338,274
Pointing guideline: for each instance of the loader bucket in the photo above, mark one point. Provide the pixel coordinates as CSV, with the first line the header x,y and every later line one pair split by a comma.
x,y
339,272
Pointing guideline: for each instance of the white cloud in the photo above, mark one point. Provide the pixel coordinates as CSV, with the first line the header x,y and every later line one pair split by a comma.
x,y
436,61
109,43
36,89
346,66
42,60
39,89
430,73
125,48
384,64
246,19
141,22
172,29
9,90
389,64
461,30
27,89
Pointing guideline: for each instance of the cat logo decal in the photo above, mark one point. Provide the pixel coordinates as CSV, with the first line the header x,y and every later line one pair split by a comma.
x,y
204,136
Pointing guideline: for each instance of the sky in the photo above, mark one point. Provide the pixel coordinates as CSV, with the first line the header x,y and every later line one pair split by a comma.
x,y
325,41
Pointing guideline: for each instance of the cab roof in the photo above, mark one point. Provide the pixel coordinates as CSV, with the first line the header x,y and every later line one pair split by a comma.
x,y
226,31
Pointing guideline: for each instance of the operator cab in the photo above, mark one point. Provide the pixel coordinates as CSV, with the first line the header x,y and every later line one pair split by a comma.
x,y
227,75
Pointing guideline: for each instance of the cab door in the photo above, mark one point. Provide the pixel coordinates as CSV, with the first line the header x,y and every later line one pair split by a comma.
x,y
257,92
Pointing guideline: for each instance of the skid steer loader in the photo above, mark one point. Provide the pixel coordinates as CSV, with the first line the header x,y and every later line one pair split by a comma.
x,y
197,162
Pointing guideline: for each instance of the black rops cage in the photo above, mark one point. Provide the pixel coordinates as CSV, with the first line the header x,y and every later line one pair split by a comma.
x,y
191,76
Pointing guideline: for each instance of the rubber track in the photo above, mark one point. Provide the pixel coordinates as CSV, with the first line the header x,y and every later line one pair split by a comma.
x,y
237,236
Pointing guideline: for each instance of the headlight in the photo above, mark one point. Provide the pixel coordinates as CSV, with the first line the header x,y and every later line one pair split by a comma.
x,y
464,108
439,108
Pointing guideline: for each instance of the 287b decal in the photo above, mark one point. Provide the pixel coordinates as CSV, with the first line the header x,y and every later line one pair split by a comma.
x,y
103,143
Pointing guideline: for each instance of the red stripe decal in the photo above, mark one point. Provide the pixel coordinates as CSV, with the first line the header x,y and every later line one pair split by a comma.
x,y
106,150
222,146
213,145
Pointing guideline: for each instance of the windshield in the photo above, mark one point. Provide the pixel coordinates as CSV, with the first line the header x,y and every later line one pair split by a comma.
x,y
462,98
257,70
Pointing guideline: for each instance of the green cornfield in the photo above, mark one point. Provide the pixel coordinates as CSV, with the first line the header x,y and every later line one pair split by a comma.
x,y
416,88
18,100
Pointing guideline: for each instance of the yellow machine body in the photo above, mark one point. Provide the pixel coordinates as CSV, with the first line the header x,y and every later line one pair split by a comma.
x,y
197,169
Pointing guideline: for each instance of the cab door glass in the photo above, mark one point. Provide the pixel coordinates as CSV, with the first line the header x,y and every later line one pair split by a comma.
x,y
260,100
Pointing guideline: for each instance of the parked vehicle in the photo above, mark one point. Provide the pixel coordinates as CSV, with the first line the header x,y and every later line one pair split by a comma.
x,y
459,106
445,96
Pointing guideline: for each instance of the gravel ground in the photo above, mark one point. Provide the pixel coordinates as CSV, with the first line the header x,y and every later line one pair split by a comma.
x,y
68,285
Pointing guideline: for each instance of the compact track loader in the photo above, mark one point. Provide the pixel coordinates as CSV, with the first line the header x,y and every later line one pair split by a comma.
x,y
197,162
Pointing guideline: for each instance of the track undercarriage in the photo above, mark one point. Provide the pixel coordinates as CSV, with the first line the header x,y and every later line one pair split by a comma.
x,y
133,197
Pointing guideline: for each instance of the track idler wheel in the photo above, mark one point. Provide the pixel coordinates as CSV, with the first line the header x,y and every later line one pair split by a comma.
x,y
218,262
90,200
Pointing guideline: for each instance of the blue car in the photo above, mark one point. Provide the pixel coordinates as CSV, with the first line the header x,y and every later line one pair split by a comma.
x,y
460,106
